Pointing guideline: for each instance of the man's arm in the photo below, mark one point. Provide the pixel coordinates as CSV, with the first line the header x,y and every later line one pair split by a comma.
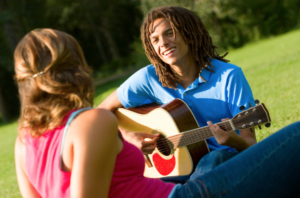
x,y
232,139
112,103
239,94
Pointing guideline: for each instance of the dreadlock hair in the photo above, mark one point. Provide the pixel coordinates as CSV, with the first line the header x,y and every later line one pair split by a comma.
x,y
194,33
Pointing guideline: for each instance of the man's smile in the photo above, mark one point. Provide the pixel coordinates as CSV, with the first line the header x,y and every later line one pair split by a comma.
x,y
168,51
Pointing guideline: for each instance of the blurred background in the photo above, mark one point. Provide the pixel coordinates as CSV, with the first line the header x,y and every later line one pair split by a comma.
x,y
109,33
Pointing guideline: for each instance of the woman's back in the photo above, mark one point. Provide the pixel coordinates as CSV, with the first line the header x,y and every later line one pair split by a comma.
x,y
42,160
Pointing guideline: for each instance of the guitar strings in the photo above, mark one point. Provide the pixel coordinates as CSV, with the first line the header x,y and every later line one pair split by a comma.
x,y
223,124
195,131
162,142
206,133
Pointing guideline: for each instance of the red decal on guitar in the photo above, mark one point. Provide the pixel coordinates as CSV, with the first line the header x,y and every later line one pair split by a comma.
x,y
163,166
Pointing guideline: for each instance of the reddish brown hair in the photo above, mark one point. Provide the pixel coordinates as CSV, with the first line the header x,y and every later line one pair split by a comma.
x,y
62,84
194,33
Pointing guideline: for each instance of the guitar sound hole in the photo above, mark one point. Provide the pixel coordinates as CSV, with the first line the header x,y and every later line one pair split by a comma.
x,y
163,146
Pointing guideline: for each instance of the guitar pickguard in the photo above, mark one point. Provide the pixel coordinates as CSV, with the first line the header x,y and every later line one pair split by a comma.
x,y
163,166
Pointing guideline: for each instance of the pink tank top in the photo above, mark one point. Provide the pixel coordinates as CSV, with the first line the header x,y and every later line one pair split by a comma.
x,y
42,160
44,173
128,179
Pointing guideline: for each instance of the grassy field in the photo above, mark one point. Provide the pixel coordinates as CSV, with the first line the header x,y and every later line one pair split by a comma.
x,y
271,67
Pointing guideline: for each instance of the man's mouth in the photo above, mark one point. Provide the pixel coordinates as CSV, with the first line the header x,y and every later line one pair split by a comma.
x,y
169,51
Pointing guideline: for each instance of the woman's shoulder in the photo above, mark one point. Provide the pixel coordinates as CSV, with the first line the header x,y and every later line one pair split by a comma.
x,y
94,120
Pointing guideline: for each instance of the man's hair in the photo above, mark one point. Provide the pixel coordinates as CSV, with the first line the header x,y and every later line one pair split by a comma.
x,y
194,33
53,78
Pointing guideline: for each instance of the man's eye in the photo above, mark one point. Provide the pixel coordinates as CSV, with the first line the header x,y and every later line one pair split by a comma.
x,y
154,40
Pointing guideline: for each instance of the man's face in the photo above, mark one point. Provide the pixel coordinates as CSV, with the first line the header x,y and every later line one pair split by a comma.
x,y
170,50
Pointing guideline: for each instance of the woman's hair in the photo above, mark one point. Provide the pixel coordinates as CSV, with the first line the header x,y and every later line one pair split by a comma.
x,y
194,33
52,77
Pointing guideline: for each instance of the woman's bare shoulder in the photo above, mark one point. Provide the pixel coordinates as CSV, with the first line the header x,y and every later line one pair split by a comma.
x,y
97,123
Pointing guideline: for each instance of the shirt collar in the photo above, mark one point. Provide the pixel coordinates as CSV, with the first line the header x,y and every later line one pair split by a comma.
x,y
205,74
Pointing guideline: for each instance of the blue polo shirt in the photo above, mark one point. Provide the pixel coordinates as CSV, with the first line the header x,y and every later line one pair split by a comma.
x,y
219,97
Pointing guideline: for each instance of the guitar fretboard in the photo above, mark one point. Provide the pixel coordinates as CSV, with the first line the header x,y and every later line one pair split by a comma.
x,y
195,135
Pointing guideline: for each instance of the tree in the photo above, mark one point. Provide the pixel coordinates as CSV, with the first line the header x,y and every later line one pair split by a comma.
x,y
99,26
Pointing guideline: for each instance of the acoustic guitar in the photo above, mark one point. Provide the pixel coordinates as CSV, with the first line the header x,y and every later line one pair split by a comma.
x,y
181,143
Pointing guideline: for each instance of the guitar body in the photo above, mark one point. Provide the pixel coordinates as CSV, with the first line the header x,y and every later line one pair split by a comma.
x,y
167,120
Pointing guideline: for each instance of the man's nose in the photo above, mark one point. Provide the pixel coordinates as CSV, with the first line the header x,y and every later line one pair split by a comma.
x,y
164,42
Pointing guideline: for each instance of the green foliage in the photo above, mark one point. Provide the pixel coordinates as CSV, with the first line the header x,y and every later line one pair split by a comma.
x,y
100,27
138,54
233,23
147,5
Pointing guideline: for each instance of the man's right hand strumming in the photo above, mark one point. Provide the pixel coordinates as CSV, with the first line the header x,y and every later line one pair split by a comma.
x,y
144,141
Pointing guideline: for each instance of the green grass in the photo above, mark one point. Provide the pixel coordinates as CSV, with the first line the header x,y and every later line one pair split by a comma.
x,y
105,90
271,67
8,181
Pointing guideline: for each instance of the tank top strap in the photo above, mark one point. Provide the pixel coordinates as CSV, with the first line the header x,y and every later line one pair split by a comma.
x,y
70,119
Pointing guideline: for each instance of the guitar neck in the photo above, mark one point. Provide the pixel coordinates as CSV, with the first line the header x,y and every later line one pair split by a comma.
x,y
195,135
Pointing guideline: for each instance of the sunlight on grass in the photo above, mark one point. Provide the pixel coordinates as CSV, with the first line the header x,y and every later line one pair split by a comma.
x,y
271,67
8,180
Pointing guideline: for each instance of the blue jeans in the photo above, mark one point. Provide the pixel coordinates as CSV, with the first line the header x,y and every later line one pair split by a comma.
x,y
206,164
270,168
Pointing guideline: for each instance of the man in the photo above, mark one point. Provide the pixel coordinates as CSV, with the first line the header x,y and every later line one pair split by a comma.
x,y
185,65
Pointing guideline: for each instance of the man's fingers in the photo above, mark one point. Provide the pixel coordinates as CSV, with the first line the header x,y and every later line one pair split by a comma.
x,y
148,142
210,125
225,119
148,135
213,127
148,145
148,149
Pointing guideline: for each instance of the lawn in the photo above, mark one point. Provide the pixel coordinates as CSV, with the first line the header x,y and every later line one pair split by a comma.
x,y
271,67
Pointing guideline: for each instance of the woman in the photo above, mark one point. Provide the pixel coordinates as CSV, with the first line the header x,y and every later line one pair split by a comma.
x,y
65,149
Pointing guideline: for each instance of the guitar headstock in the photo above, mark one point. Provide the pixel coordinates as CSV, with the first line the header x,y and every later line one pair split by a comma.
x,y
252,117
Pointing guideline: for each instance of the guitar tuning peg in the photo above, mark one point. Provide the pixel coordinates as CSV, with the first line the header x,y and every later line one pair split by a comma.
x,y
268,125
256,102
251,129
242,108
259,127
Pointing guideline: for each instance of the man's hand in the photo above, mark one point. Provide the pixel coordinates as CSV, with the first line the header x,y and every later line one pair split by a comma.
x,y
222,137
144,141
232,139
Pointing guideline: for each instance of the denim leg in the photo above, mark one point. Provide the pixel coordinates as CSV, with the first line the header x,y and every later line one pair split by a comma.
x,y
176,179
206,164
267,169
210,161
